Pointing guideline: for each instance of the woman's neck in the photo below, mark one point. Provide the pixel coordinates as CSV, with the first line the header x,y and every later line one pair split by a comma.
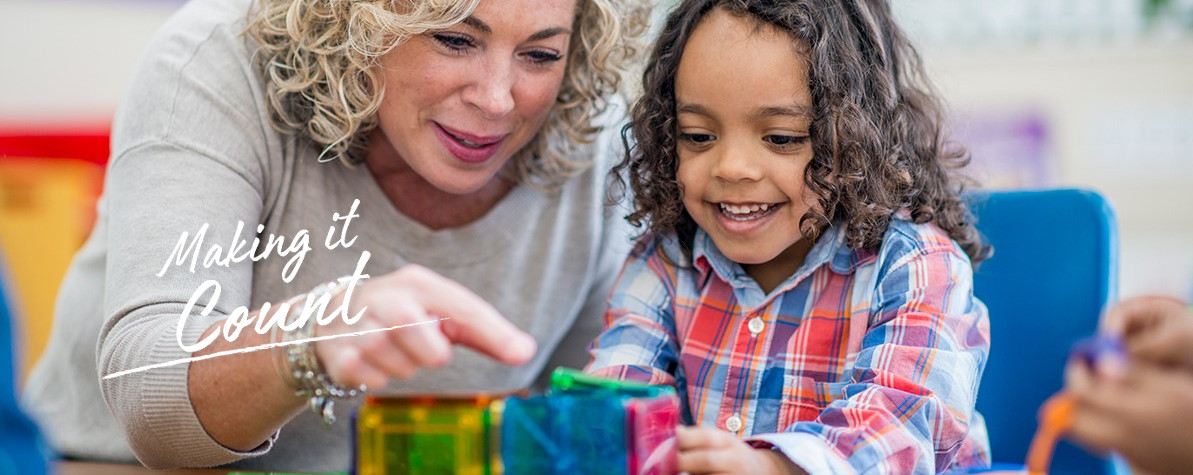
x,y
418,199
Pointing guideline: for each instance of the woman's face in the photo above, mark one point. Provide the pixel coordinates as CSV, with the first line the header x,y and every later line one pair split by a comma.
x,y
460,102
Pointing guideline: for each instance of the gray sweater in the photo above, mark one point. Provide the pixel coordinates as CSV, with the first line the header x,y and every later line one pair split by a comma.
x,y
191,145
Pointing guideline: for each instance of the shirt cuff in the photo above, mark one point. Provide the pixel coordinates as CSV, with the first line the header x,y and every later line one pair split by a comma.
x,y
807,451
180,438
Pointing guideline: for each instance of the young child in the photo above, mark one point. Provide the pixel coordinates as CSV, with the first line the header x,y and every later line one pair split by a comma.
x,y
806,279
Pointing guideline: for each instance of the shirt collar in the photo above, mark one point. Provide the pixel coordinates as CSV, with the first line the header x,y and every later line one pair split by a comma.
x,y
830,249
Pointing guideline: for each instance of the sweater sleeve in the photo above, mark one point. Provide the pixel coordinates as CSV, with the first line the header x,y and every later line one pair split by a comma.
x,y
187,168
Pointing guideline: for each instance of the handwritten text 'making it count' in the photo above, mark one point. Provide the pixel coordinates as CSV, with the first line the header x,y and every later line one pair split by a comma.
x,y
188,249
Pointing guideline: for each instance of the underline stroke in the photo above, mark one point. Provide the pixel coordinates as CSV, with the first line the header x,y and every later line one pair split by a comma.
x,y
261,347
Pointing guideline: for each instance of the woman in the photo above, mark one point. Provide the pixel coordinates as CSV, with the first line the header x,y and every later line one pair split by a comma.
x,y
471,190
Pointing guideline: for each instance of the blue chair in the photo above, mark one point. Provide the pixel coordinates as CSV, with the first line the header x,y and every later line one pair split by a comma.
x,y
1054,270
21,448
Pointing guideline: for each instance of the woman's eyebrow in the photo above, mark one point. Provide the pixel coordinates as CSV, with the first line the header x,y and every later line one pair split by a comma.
x,y
476,23
549,32
539,35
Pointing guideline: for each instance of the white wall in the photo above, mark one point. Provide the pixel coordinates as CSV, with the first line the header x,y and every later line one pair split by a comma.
x,y
1121,119
69,61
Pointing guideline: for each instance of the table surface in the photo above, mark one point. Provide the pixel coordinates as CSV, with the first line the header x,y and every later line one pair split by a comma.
x,y
96,468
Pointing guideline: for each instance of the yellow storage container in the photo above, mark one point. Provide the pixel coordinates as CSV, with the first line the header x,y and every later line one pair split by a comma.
x,y
47,208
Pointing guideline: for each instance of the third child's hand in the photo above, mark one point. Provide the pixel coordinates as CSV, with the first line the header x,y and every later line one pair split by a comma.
x,y
1145,416
1156,329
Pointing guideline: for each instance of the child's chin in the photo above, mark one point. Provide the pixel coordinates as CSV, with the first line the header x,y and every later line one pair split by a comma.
x,y
747,257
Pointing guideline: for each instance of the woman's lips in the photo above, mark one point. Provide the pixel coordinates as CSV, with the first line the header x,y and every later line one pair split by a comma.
x,y
468,147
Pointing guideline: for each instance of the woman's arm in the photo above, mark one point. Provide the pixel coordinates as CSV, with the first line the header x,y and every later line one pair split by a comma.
x,y
154,193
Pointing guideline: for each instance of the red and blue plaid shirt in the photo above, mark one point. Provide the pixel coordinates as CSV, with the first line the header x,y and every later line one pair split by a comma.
x,y
860,362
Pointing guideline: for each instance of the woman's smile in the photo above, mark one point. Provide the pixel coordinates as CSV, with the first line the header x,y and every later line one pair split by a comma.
x,y
468,147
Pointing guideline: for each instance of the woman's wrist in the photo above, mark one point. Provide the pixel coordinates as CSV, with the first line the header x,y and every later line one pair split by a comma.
x,y
295,358
236,398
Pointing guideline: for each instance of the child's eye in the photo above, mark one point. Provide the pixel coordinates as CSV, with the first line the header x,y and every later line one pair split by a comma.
x,y
696,138
454,41
785,140
543,57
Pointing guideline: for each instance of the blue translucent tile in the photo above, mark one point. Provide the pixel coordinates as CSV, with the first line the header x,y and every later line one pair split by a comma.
x,y
564,434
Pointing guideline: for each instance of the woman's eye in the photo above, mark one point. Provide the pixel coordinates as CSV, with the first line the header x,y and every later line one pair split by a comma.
x,y
696,138
543,58
785,140
453,42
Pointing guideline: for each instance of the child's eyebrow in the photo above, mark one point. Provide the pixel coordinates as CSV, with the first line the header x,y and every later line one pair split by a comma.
x,y
798,111
688,108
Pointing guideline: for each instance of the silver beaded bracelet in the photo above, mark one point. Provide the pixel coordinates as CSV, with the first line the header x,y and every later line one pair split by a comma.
x,y
302,370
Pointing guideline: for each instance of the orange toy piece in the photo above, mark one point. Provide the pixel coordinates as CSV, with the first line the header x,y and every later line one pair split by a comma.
x,y
1055,419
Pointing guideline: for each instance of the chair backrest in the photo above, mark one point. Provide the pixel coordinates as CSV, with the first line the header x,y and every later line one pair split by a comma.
x,y
1054,270
21,448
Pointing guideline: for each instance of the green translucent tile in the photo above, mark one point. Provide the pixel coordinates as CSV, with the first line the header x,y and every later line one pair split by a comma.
x,y
425,435
573,381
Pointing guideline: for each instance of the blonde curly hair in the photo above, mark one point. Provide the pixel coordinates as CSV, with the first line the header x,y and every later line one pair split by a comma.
x,y
319,58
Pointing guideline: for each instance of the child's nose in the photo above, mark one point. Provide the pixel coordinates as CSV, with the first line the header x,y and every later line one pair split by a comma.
x,y
737,163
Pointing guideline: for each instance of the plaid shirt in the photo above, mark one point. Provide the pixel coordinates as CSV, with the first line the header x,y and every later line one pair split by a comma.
x,y
860,362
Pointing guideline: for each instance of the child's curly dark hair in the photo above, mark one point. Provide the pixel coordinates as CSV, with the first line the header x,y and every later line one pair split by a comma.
x,y
877,134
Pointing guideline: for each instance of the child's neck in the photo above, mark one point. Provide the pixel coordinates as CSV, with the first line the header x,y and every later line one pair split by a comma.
x,y
770,274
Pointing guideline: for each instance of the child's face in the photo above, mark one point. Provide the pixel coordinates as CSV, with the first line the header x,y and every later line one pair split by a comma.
x,y
744,109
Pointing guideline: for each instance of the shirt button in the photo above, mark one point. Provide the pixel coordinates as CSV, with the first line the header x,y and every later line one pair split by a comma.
x,y
756,325
733,423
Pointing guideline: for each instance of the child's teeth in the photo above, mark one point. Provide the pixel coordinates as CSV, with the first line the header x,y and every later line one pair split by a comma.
x,y
745,210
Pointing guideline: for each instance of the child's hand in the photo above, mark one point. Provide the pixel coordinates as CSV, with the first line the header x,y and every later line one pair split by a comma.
x,y
1147,415
706,450
1156,329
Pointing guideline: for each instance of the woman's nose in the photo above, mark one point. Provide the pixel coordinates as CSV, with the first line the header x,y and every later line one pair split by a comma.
x,y
492,89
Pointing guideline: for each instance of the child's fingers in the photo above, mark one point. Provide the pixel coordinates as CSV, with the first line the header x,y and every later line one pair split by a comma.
x,y
693,438
704,461
1097,407
1078,378
1171,343
1095,429
1133,315
705,450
